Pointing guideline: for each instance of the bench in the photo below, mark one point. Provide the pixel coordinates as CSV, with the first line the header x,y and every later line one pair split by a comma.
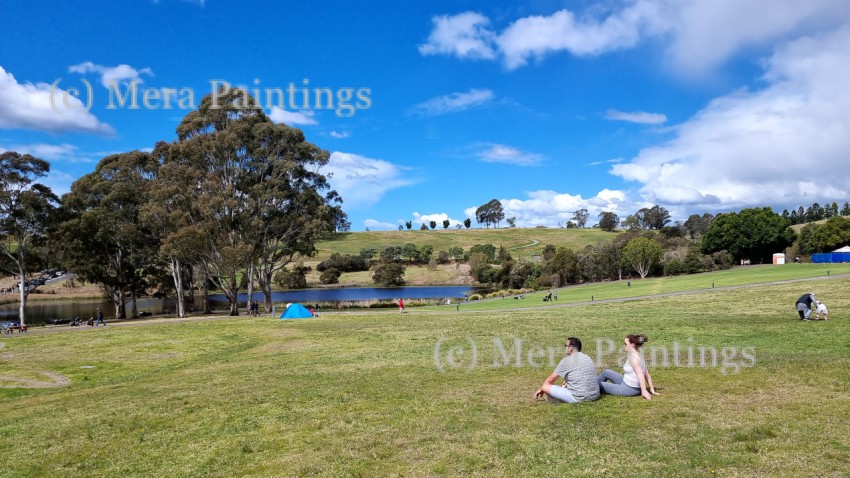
x,y
12,328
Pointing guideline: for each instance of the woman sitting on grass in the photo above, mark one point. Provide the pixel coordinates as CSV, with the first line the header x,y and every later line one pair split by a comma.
x,y
636,380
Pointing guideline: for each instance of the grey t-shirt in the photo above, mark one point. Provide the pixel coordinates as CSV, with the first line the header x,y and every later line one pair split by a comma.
x,y
580,373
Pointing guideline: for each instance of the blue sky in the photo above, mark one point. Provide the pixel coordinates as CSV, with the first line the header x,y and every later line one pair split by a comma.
x,y
548,106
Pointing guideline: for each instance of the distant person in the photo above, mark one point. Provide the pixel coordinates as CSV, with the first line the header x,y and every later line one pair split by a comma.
x,y
804,305
821,311
636,380
556,295
100,318
401,305
579,376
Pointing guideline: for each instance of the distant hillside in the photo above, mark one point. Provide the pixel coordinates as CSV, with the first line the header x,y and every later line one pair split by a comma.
x,y
520,242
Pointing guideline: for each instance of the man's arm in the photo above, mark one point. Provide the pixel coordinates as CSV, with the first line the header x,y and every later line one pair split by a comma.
x,y
547,385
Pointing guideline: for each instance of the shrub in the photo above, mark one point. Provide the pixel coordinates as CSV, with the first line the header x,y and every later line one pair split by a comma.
x,y
474,297
330,276
344,263
294,279
388,274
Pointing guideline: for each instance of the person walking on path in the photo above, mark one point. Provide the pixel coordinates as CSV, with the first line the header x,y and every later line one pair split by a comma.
x,y
401,305
100,318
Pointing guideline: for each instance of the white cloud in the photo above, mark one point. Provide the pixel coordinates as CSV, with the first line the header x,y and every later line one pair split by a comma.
x,y
340,135
455,102
42,107
500,153
363,181
280,115
554,209
111,76
688,28
465,35
374,225
436,217
640,117
785,144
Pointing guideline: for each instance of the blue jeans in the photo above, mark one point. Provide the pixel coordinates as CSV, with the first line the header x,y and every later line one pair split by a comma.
x,y
804,310
616,385
562,394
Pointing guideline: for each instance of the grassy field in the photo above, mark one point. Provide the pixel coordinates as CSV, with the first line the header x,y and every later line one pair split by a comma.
x,y
520,242
602,291
386,394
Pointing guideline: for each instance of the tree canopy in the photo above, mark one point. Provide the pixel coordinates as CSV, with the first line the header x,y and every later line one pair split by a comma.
x,y
754,234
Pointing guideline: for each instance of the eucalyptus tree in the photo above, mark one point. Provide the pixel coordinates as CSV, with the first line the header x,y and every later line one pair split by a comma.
x,y
257,194
290,198
26,210
104,240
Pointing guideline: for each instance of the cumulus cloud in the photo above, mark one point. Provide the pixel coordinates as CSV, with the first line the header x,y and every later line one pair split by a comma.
x,y
465,35
363,181
640,117
43,107
688,29
280,115
111,76
500,153
375,225
436,217
783,144
455,102
554,209
340,135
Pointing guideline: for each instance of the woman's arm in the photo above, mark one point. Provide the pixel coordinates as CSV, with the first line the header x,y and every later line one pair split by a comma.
x,y
634,360
649,382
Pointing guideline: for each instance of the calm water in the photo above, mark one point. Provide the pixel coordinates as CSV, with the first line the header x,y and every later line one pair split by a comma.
x,y
41,312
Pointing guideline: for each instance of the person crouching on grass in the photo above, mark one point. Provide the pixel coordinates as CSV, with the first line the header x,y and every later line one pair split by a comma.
x,y
579,376
636,380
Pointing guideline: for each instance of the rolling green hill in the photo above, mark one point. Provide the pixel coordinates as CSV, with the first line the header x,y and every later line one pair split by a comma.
x,y
520,242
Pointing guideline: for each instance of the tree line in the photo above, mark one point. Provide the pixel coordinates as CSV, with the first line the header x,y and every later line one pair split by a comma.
x,y
234,198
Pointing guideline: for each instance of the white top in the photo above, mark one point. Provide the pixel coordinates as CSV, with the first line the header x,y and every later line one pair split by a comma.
x,y
630,378
822,308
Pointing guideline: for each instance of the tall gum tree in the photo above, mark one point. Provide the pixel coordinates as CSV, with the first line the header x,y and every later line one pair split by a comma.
x,y
26,209
105,242
258,195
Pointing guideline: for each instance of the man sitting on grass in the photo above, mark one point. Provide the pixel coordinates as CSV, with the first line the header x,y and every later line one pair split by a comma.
x,y
579,374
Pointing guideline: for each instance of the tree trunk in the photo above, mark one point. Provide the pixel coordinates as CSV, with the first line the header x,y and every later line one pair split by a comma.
x,y
22,311
118,301
178,285
266,286
190,281
206,289
134,306
233,295
250,287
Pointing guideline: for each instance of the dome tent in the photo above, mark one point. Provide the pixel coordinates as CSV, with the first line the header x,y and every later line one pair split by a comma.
x,y
296,311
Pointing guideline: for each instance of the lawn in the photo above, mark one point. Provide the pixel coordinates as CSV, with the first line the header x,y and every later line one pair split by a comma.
x,y
520,242
370,394
614,290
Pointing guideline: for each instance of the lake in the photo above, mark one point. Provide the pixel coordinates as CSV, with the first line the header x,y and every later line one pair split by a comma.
x,y
39,312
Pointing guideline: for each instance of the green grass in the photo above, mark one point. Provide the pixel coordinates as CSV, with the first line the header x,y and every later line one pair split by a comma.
x,y
520,242
360,394
600,291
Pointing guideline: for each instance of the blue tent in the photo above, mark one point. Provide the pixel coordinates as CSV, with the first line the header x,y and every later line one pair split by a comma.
x,y
296,311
